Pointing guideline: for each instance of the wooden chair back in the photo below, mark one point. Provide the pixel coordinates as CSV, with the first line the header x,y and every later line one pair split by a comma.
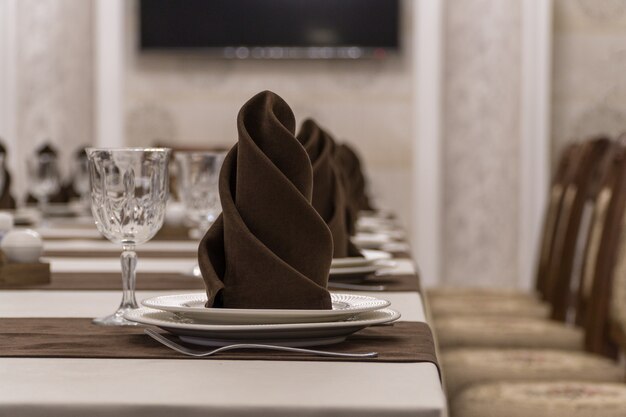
x,y
584,275
610,265
562,177
592,166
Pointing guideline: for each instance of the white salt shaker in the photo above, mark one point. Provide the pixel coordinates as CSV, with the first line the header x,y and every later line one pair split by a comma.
x,y
22,246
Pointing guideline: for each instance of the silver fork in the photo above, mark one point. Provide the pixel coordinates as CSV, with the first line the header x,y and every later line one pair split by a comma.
x,y
201,354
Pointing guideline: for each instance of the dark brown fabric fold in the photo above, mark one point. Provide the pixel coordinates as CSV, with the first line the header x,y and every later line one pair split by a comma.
x,y
61,195
354,183
269,248
7,202
328,194
78,338
353,169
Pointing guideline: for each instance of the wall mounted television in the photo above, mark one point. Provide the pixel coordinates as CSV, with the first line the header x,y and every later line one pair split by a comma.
x,y
272,29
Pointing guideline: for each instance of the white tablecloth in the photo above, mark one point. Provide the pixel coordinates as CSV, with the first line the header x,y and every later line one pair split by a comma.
x,y
131,387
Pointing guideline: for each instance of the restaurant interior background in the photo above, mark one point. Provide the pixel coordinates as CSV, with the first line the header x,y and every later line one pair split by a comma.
x,y
458,131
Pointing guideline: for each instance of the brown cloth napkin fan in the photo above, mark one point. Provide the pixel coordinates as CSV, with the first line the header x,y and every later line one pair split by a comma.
x,y
60,196
354,182
328,193
7,202
269,248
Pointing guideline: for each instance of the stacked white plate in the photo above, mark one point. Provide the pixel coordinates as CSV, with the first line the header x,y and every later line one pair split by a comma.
x,y
356,268
186,316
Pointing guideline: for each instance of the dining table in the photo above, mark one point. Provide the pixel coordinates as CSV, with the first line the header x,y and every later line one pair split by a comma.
x,y
55,385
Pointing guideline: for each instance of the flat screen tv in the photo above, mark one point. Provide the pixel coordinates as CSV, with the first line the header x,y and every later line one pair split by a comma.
x,y
272,29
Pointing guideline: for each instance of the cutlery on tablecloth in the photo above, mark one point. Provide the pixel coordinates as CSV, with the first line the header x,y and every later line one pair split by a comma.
x,y
201,354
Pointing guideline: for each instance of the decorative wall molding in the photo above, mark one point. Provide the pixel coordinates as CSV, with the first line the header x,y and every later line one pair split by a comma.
x,y
46,79
109,39
8,81
481,142
603,10
495,139
535,131
427,171
589,90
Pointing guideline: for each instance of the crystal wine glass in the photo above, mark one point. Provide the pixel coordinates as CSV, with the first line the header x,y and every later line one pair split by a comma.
x,y
45,180
129,190
198,174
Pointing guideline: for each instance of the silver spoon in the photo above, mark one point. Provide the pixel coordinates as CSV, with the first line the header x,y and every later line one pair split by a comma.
x,y
201,354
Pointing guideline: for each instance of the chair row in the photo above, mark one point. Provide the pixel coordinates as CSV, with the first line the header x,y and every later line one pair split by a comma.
x,y
551,352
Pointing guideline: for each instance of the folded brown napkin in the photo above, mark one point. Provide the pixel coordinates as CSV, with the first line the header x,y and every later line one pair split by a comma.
x,y
58,197
7,202
328,193
269,248
353,179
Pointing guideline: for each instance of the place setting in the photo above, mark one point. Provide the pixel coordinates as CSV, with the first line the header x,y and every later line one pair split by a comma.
x,y
261,294
320,208
186,317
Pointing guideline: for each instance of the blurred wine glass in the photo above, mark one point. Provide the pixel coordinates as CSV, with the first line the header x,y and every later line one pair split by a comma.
x,y
80,182
44,178
198,175
2,172
129,191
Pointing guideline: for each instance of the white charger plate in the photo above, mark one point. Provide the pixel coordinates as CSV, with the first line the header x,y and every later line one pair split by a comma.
x,y
192,306
372,225
291,334
355,271
370,257
371,240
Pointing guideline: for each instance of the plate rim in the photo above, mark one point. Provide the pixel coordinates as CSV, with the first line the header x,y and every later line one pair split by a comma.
x,y
375,256
352,270
383,303
392,316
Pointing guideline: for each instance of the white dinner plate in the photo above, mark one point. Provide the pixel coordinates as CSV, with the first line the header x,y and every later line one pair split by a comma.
x,y
370,225
370,257
355,271
371,240
293,334
192,306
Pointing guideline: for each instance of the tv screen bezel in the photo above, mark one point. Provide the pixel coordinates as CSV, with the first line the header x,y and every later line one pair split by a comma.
x,y
243,52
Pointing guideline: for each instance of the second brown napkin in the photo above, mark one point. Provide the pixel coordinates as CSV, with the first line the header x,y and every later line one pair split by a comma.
x,y
353,178
269,248
328,194
6,199
59,196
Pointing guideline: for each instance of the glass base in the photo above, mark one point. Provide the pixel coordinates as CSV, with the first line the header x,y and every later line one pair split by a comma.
x,y
115,319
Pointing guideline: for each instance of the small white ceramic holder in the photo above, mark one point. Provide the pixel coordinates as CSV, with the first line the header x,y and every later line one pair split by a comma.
x,y
20,265
22,246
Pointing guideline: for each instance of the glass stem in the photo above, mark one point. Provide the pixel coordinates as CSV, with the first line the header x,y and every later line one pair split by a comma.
x,y
129,262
